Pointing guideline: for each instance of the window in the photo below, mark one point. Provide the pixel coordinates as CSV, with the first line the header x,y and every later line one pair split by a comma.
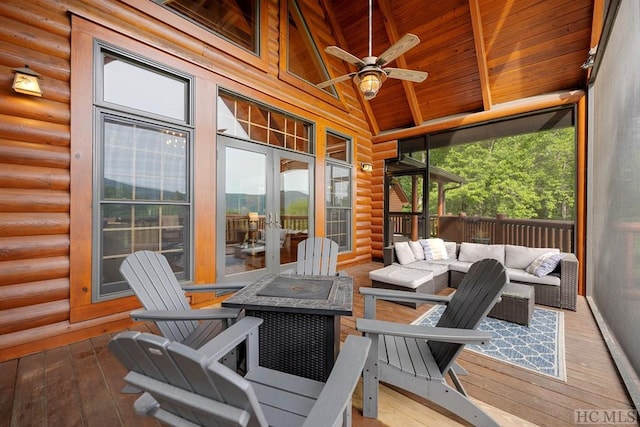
x,y
143,158
303,58
252,121
234,20
339,191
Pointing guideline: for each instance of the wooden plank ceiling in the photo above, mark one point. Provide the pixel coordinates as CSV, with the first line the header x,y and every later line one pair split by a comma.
x,y
478,53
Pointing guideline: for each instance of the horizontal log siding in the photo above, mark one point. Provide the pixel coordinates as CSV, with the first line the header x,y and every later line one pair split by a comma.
x,y
35,186
34,171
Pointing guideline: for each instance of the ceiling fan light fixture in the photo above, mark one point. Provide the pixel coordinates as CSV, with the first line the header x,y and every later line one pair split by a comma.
x,y
370,83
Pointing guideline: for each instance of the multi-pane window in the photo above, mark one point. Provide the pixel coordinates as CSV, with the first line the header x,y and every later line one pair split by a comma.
x,y
143,156
249,120
235,20
339,191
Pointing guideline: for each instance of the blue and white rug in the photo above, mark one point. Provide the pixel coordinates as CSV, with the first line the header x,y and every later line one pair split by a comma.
x,y
538,347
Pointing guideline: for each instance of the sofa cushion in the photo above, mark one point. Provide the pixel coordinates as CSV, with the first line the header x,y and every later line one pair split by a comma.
x,y
544,264
472,252
521,257
401,276
404,252
518,275
418,251
434,249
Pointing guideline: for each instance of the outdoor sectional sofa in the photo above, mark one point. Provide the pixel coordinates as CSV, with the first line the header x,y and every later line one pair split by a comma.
x,y
557,289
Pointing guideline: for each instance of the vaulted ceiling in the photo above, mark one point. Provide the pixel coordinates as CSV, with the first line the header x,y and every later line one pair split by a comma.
x,y
478,53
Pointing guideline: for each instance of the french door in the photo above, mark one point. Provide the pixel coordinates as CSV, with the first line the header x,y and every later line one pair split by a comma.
x,y
264,202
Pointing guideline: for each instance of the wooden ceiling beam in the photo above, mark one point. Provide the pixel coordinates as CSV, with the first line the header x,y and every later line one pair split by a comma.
x,y
481,54
392,33
342,42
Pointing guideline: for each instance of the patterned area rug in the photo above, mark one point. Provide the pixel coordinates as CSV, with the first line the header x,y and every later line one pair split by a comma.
x,y
539,347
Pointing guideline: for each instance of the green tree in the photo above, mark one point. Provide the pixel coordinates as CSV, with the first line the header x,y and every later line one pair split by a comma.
x,y
298,207
523,176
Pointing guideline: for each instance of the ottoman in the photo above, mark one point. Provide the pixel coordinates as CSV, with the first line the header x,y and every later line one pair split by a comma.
x,y
403,279
517,304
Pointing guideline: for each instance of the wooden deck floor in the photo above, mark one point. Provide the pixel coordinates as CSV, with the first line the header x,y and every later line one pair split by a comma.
x,y
79,384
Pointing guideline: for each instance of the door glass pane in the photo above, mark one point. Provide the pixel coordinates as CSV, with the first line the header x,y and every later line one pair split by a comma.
x,y
246,193
293,226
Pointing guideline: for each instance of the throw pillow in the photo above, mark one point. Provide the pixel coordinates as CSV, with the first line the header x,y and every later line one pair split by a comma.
x,y
404,252
451,249
544,264
434,249
418,252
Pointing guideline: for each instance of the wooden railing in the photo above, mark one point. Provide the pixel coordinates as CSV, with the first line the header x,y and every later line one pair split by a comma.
x,y
534,233
238,225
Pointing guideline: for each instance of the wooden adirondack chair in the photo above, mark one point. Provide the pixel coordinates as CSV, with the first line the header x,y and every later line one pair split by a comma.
x,y
184,386
417,358
317,256
154,283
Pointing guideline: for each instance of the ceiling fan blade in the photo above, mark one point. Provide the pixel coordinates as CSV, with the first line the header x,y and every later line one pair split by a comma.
x,y
402,74
344,55
334,81
405,43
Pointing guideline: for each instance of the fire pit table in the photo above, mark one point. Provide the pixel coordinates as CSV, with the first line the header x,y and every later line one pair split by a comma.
x,y
300,333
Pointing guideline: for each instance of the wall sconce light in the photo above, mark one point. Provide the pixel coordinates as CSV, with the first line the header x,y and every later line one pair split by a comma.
x,y
366,167
26,81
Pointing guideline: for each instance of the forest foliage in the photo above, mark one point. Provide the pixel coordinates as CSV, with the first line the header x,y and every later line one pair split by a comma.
x,y
523,176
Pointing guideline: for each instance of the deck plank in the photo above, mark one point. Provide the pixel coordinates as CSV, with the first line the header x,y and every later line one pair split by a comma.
x,y
61,382
95,400
30,400
8,373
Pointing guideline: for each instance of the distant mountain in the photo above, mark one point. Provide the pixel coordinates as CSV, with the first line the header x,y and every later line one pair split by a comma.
x,y
243,203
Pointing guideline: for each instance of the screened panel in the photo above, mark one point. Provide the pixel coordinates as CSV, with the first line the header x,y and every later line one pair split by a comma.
x,y
613,230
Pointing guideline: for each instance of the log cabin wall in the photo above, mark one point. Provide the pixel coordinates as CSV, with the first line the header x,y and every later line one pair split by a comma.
x,y
43,170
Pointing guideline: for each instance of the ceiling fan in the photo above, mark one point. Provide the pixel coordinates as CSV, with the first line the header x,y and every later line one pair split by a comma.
x,y
371,73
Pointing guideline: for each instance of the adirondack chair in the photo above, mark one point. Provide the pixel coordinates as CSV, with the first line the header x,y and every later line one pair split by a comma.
x,y
417,358
154,283
184,386
317,256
